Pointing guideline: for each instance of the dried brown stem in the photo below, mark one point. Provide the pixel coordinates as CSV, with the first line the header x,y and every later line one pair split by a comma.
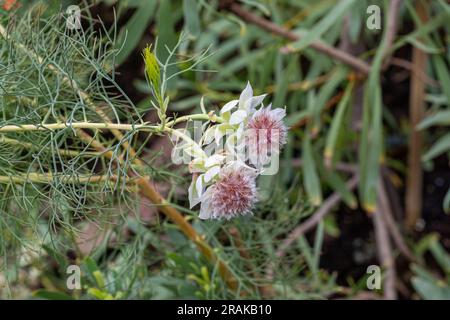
x,y
385,254
388,217
405,64
355,63
414,180
341,166
391,32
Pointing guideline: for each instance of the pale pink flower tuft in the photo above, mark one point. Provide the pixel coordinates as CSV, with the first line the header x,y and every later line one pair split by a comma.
x,y
266,133
233,194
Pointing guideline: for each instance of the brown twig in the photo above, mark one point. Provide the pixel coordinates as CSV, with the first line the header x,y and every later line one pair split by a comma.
x,y
391,25
267,25
388,217
405,64
341,166
416,100
303,85
385,254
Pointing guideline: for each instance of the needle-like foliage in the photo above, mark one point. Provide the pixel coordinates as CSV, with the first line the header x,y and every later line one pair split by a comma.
x,y
52,180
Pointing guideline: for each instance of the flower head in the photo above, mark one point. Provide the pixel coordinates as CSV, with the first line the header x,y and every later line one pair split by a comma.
x,y
234,193
265,133
225,182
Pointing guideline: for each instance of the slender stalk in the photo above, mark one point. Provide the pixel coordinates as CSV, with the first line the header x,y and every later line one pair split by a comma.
x,y
267,25
107,125
413,205
77,125
50,178
385,255
393,13
388,217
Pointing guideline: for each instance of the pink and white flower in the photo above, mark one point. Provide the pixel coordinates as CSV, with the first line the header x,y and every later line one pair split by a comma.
x,y
224,184
232,194
265,134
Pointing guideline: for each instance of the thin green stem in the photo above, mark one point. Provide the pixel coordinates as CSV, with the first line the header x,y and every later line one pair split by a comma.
x,y
50,178
112,126
78,125
106,125
201,116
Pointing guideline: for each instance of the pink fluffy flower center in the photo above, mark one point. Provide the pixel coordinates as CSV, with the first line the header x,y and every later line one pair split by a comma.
x,y
233,194
264,131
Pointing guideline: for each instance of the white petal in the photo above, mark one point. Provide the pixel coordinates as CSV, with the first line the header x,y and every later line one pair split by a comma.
x,y
240,165
208,136
245,95
197,165
253,102
238,116
228,106
193,150
214,160
230,145
211,173
205,211
218,134
279,113
193,198
189,150
240,131
199,185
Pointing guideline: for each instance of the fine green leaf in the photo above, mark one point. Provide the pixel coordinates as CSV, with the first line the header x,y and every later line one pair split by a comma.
x,y
337,124
443,75
323,25
165,25
441,256
310,178
135,28
446,203
438,118
191,17
51,295
431,290
439,147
